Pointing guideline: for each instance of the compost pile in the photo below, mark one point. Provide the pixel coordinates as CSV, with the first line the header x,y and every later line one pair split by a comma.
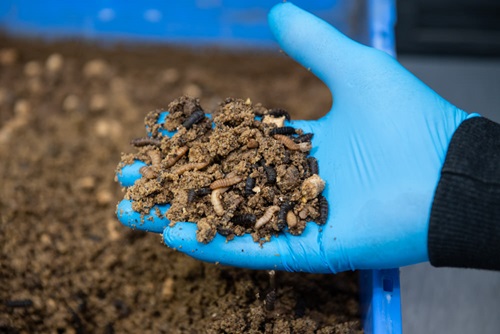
x,y
67,111
248,174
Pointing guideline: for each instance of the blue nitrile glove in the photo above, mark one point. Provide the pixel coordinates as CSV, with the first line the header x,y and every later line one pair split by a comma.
x,y
380,150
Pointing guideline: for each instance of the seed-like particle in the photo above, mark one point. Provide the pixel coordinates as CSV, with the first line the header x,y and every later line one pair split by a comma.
x,y
148,172
278,121
145,141
291,145
216,200
249,185
191,166
279,112
313,165
252,143
155,157
245,220
267,216
226,182
323,210
175,157
291,219
285,207
312,187
195,117
304,138
285,130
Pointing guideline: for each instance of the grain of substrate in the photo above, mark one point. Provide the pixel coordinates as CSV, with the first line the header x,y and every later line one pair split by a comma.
x,y
245,179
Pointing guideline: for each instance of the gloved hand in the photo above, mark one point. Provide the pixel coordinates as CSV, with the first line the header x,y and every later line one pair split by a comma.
x,y
380,150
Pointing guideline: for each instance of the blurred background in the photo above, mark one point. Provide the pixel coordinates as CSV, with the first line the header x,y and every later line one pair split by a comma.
x,y
452,45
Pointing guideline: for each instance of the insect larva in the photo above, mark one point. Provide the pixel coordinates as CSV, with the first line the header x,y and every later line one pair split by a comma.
x,y
245,220
249,185
291,145
282,215
155,157
279,112
313,165
175,157
312,187
266,217
323,210
224,231
191,166
226,182
285,130
194,193
148,172
270,300
144,141
270,174
19,303
216,201
252,143
195,117
304,138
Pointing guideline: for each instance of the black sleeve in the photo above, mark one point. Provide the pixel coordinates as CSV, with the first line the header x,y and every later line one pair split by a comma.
x,y
464,228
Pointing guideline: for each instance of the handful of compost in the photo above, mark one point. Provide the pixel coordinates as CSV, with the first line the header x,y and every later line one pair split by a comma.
x,y
249,173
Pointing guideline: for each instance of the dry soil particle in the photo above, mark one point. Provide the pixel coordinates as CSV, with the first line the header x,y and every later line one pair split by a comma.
x,y
61,245
249,159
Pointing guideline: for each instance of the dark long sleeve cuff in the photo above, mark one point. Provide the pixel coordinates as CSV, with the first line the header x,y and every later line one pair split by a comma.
x,y
464,228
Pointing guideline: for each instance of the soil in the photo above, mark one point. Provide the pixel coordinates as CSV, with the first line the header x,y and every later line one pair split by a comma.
x,y
226,177
67,110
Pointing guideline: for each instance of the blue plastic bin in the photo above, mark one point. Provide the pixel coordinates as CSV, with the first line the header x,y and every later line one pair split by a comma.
x,y
225,23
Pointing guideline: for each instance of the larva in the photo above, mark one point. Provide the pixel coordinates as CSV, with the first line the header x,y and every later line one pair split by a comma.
x,y
175,157
144,141
285,130
279,113
304,138
226,182
313,165
148,172
266,217
323,210
245,220
191,166
249,185
195,117
155,157
216,200
194,193
291,145
282,214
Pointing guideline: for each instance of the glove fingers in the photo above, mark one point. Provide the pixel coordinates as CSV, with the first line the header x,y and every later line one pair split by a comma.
x,y
315,44
153,222
285,252
240,252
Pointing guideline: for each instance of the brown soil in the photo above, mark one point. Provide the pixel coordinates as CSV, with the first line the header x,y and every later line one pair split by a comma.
x,y
67,110
235,178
